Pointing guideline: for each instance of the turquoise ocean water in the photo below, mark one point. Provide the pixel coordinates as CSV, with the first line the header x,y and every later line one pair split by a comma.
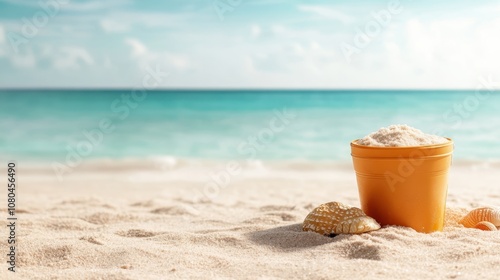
x,y
49,124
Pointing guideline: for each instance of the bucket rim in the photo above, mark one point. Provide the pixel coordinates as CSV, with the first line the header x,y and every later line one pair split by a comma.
x,y
449,143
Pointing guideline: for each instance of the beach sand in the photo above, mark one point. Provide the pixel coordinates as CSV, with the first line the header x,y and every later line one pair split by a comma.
x,y
132,221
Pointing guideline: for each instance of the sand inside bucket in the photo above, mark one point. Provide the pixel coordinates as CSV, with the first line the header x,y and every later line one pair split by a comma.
x,y
400,136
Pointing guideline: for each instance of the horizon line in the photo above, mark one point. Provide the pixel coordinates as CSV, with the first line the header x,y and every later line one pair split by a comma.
x,y
235,89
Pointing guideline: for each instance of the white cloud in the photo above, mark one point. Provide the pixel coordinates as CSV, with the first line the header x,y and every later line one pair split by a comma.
x,y
441,53
25,60
2,41
110,25
107,63
138,48
2,35
94,5
146,57
447,48
411,53
326,12
71,58
73,5
255,30
124,21
310,57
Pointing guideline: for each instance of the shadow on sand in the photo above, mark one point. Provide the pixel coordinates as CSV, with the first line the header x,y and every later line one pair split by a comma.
x,y
289,237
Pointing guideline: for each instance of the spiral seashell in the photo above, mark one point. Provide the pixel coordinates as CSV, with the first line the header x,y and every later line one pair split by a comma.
x,y
335,218
487,226
484,214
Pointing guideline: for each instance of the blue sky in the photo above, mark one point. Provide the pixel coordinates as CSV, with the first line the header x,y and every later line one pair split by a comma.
x,y
250,43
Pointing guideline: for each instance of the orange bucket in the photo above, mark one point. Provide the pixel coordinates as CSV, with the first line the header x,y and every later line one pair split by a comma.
x,y
404,186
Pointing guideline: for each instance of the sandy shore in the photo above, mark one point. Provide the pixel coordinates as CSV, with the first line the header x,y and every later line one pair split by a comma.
x,y
126,222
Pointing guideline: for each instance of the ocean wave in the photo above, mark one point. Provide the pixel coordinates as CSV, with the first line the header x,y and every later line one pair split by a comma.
x,y
167,163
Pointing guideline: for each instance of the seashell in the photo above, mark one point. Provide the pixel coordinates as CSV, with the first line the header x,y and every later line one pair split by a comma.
x,y
486,226
335,218
484,214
